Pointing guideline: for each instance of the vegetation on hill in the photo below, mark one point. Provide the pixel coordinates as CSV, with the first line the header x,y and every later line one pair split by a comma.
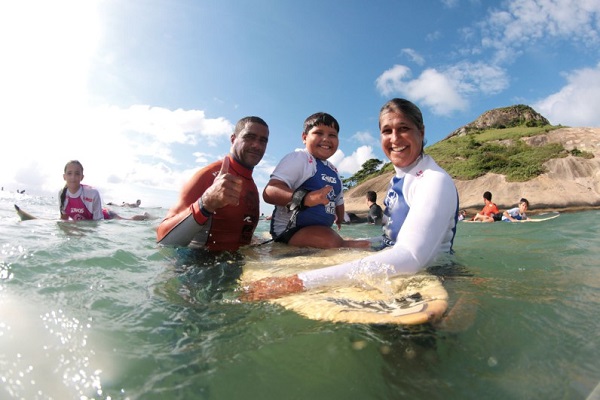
x,y
500,151
471,152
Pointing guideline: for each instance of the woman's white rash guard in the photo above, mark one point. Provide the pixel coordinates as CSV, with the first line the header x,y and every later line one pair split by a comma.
x,y
427,231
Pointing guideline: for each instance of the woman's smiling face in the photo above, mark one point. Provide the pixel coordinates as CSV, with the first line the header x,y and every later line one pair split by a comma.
x,y
401,139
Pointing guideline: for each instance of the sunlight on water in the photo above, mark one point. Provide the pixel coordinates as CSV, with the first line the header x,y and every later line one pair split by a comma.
x,y
46,355
97,310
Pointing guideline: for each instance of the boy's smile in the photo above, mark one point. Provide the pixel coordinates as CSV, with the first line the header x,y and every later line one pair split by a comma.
x,y
321,141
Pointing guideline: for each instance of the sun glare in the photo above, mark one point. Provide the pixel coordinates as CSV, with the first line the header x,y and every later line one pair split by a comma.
x,y
47,48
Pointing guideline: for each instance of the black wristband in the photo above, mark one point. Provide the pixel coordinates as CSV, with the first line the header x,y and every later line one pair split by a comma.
x,y
298,200
203,210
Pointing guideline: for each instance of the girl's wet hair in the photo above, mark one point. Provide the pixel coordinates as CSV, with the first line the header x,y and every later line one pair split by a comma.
x,y
73,162
320,118
63,194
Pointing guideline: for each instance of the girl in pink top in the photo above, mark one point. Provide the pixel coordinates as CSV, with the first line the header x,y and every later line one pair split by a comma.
x,y
82,202
78,202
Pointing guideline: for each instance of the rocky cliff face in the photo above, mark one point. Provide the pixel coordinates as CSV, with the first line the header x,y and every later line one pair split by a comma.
x,y
569,183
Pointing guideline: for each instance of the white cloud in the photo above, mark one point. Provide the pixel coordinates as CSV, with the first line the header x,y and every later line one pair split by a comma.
x,y
348,166
432,89
478,77
392,80
577,103
524,22
365,137
414,56
161,124
437,91
203,158
445,90
122,150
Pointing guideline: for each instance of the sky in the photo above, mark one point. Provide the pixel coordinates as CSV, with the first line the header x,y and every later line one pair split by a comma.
x,y
144,93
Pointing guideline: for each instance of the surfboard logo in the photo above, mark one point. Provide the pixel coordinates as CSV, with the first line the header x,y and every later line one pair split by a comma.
x,y
399,306
328,178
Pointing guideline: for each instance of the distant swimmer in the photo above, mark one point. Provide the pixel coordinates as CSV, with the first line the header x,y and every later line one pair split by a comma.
x,y
133,205
124,204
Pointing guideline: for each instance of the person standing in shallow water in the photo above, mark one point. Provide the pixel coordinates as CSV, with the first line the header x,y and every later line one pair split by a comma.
x,y
421,208
218,208
375,212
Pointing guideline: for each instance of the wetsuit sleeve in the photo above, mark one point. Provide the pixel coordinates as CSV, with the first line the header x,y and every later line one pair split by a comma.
x,y
419,240
185,220
181,229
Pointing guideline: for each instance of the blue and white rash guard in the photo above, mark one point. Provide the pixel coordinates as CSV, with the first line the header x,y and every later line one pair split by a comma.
x,y
421,209
301,169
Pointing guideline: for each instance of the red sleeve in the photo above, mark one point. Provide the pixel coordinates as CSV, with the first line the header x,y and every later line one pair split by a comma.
x,y
197,185
190,193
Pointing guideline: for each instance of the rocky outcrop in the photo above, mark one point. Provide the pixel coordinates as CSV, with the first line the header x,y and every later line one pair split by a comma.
x,y
570,183
505,117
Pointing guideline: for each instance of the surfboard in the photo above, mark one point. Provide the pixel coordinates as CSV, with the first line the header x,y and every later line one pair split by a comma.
x,y
410,300
534,219
531,219
25,216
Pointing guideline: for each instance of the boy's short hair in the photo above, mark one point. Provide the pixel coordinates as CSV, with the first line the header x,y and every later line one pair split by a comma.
x,y
524,200
320,118
487,196
372,196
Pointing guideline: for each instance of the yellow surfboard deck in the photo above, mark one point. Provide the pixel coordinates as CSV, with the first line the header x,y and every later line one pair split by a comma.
x,y
410,300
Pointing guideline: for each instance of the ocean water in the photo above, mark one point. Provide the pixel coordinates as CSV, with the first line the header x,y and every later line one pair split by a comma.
x,y
97,310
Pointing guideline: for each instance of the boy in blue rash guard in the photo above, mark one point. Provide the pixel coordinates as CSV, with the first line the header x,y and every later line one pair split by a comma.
x,y
306,190
517,213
